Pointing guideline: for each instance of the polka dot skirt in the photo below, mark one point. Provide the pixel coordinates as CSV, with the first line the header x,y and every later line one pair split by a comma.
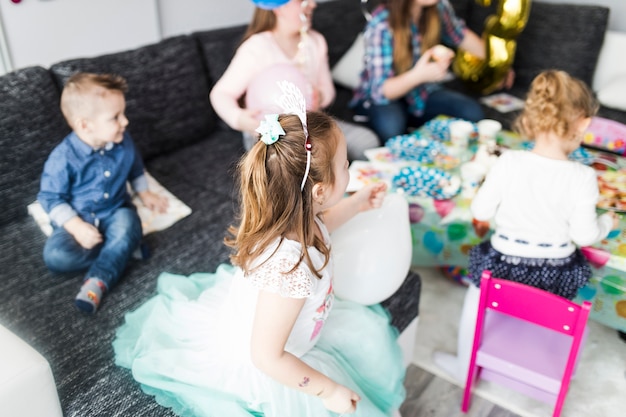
x,y
561,276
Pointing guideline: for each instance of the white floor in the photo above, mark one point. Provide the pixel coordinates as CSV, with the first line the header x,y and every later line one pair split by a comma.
x,y
598,390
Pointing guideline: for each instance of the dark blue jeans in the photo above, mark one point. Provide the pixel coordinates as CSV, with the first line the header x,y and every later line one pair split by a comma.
x,y
121,234
389,120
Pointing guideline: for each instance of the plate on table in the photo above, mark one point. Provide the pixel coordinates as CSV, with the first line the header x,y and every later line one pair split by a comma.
x,y
427,182
363,173
417,147
612,187
604,161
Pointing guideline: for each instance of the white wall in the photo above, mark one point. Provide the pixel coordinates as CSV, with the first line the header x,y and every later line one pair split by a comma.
x,y
44,32
185,16
41,32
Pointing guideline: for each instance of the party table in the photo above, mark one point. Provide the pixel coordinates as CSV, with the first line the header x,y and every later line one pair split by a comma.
x,y
443,231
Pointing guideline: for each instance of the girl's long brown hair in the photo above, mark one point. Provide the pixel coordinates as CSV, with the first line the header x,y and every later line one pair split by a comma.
x,y
271,203
400,23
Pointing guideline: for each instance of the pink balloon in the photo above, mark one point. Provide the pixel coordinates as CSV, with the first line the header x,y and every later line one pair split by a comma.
x,y
263,92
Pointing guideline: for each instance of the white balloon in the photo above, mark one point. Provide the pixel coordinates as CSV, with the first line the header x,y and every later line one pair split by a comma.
x,y
372,252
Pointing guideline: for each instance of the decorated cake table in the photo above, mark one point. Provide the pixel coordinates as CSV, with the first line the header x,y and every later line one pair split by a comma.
x,y
443,230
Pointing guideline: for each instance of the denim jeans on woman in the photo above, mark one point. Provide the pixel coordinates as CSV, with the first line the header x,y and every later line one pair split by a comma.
x,y
389,120
121,233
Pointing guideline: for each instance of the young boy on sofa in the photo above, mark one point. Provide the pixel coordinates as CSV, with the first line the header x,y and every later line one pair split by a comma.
x,y
83,188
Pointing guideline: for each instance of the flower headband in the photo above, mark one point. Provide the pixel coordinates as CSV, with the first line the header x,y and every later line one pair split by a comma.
x,y
292,102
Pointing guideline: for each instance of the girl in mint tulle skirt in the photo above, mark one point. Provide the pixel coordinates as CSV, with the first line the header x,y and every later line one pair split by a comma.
x,y
267,337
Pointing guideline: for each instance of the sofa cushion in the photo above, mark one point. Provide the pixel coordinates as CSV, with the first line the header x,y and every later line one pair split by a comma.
x,y
612,60
167,101
209,164
557,36
31,124
613,94
347,71
218,47
339,37
563,36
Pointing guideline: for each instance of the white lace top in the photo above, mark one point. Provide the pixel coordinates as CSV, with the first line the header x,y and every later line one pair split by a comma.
x,y
274,276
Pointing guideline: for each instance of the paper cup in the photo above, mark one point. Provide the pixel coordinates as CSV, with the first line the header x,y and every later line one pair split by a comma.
x,y
472,174
488,130
460,132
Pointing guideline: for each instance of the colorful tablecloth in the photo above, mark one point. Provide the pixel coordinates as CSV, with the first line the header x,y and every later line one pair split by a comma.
x,y
443,230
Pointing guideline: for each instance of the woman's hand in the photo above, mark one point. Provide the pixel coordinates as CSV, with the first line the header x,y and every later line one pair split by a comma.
x,y
508,80
316,99
248,120
442,53
341,400
431,67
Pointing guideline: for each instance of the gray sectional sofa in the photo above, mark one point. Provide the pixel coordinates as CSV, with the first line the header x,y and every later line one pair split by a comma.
x,y
191,153
185,147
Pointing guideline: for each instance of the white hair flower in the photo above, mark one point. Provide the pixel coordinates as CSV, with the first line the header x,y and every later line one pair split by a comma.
x,y
270,129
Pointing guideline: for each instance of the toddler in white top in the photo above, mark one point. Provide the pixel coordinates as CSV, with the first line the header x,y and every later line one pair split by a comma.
x,y
543,205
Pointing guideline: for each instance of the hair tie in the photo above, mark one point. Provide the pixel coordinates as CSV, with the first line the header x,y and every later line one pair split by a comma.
x,y
270,129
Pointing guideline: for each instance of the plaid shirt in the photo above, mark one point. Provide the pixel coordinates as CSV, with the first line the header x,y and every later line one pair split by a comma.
x,y
379,56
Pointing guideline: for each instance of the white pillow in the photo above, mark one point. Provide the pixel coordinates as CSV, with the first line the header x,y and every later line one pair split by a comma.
x,y
150,221
347,71
613,94
611,61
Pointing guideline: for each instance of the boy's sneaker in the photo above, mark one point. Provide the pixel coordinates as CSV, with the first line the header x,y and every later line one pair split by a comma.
x,y
90,294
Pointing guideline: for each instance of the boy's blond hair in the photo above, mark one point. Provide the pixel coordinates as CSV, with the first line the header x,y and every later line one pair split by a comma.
x,y
80,90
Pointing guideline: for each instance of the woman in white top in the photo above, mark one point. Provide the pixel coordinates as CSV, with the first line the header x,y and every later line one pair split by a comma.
x,y
279,35
543,205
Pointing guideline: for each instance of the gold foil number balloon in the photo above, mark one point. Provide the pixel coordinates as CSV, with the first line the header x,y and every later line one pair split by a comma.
x,y
501,29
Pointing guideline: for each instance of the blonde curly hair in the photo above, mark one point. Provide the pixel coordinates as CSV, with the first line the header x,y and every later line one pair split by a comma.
x,y
555,102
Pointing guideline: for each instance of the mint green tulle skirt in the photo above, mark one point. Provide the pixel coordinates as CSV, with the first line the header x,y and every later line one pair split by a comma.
x,y
171,344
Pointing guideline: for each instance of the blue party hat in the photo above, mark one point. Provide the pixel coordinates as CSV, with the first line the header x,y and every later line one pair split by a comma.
x,y
269,4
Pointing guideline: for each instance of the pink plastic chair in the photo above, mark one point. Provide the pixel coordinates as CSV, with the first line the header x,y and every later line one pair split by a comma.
x,y
526,339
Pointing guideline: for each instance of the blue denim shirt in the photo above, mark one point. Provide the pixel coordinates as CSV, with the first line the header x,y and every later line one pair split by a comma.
x,y
90,183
